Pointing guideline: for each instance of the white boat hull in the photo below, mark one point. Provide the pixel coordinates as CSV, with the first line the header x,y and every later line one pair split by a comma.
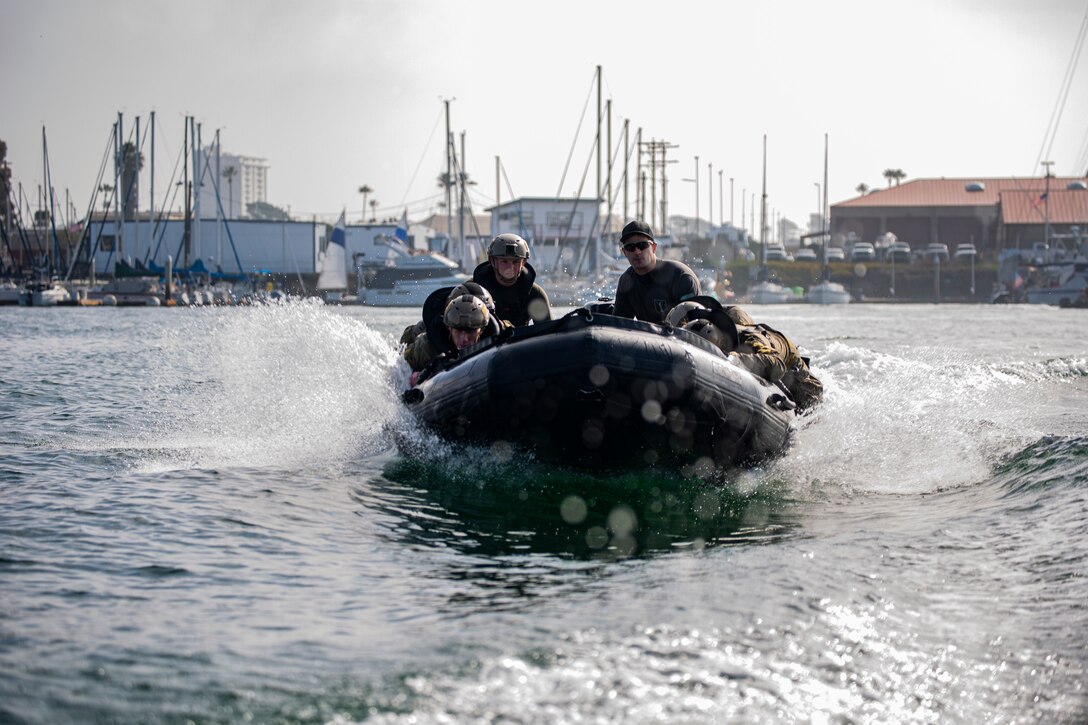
x,y
769,293
40,296
408,292
1053,295
828,293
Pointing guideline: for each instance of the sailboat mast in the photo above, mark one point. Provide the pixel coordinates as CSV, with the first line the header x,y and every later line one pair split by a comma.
x,y
597,219
626,164
763,214
42,196
151,192
198,184
218,203
825,233
54,250
135,190
461,204
188,234
449,184
118,183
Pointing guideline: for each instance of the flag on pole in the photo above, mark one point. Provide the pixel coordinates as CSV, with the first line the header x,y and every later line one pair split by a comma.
x,y
339,233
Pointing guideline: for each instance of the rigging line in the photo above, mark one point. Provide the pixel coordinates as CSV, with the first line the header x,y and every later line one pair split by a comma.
x,y
167,203
1069,84
1080,167
468,198
85,233
577,132
106,154
1063,91
596,213
426,148
623,174
502,168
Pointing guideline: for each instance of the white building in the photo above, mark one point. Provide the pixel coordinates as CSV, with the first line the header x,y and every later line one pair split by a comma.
x,y
246,184
236,247
562,232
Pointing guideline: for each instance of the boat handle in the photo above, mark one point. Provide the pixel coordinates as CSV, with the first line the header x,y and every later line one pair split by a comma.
x,y
590,396
780,402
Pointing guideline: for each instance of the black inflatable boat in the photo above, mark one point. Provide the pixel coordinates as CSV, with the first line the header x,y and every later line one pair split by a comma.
x,y
595,391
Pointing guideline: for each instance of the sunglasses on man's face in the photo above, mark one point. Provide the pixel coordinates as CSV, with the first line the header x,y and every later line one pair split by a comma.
x,y
632,246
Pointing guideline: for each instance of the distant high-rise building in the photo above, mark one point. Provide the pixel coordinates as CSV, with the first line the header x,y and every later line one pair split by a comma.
x,y
243,180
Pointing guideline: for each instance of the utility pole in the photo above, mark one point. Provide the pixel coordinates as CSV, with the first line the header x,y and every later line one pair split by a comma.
x,y
461,204
696,196
721,199
743,199
449,182
654,146
731,201
1046,206
665,187
640,176
752,215
710,194
653,184
626,159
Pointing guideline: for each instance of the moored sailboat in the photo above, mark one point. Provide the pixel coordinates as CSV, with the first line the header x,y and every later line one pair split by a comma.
x,y
766,292
826,292
333,279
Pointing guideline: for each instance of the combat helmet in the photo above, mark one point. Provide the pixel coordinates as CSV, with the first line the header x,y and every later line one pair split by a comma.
x,y
476,290
508,245
466,313
681,313
706,330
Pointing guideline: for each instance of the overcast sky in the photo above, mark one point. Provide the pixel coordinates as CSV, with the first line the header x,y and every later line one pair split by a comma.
x,y
335,94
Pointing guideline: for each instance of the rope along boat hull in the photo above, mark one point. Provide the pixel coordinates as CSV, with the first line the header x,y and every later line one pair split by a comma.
x,y
606,392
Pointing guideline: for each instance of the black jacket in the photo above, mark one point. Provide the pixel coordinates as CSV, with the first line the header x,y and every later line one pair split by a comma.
x,y
514,303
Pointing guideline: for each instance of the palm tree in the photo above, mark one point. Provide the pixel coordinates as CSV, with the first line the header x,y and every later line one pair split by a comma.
x,y
229,173
5,180
895,175
373,208
364,190
105,189
862,188
131,162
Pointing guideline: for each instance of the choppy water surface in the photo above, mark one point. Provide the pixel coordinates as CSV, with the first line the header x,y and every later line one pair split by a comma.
x,y
203,517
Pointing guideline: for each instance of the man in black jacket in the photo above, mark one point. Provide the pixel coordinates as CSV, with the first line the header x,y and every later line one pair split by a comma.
x,y
510,279
652,286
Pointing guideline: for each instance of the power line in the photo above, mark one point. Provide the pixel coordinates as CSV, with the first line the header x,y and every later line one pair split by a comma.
x,y
1063,94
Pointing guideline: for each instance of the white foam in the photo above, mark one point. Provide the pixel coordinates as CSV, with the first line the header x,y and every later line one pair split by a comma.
x,y
898,424
278,385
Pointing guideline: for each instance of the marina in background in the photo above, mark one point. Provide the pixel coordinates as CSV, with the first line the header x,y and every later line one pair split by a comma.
x,y
1026,236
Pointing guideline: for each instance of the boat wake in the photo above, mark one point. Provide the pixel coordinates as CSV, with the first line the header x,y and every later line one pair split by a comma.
x,y
293,385
901,424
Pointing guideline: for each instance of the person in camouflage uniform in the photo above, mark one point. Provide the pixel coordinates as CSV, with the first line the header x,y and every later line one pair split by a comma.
x,y
759,348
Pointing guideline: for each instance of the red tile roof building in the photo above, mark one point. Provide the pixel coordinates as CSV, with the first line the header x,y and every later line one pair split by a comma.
x,y
993,213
